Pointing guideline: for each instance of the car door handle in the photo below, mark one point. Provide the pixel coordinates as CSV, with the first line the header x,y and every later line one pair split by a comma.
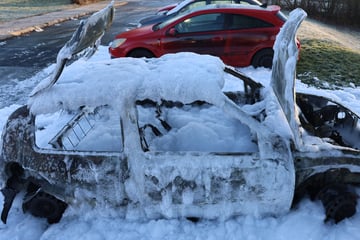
x,y
217,39
191,40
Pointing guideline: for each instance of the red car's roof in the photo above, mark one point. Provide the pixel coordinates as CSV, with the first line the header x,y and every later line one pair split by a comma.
x,y
234,8
271,8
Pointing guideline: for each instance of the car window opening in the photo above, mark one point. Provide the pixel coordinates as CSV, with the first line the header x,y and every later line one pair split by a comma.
x,y
98,130
198,126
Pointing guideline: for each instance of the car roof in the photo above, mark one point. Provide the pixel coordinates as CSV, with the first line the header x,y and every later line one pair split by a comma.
x,y
185,3
141,79
226,8
236,9
271,8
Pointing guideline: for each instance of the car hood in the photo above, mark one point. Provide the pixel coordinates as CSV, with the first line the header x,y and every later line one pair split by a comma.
x,y
154,19
136,32
284,69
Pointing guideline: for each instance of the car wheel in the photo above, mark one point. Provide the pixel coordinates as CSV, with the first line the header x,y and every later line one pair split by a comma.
x,y
44,205
263,58
339,203
138,53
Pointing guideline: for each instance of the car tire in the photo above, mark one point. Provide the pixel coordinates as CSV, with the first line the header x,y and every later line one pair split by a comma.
x,y
139,53
263,58
44,205
339,203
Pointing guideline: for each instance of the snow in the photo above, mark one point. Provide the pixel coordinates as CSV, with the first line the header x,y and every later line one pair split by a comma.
x,y
133,79
200,130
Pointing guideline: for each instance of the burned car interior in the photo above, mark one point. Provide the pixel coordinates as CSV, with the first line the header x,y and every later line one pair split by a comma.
x,y
158,120
165,132
326,119
319,116
99,129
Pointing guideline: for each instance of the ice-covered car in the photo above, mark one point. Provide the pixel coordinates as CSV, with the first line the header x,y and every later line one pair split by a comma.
x,y
179,136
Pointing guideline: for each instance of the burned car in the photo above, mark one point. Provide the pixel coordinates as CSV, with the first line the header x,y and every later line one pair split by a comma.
x,y
178,136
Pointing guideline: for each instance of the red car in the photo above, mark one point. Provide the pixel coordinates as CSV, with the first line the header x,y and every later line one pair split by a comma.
x,y
240,35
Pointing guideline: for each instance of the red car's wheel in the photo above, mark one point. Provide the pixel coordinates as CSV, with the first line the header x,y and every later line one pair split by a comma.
x,y
138,53
263,58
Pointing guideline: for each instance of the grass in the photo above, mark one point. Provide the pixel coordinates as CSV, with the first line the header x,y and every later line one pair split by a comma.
x,y
328,64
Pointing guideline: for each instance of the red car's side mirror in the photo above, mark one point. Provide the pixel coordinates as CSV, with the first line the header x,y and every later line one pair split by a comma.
x,y
172,32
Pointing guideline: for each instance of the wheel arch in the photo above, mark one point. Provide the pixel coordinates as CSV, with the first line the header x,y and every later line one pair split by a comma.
x,y
141,49
256,57
312,184
335,189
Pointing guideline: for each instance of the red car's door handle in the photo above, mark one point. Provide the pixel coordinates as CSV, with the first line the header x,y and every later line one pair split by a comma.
x,y
217,39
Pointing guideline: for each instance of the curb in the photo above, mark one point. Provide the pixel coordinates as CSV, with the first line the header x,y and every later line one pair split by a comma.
x,y
21,26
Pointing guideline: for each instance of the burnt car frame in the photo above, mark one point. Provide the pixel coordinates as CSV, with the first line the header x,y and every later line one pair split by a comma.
x,y
267,181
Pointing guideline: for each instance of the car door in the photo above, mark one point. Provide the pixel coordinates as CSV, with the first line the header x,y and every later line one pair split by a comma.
x,y
85,153
245,36
201,34
201,162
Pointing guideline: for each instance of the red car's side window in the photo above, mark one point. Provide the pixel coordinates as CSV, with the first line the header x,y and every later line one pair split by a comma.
x,y
237,21
202,23
220,21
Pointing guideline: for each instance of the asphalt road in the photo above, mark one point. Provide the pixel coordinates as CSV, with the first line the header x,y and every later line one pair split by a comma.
x,y
25,55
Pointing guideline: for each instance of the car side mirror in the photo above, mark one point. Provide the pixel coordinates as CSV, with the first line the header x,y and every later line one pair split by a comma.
x,y
172,32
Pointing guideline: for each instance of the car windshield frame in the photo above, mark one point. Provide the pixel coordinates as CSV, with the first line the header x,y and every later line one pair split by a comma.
x,y
164,24
180,6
